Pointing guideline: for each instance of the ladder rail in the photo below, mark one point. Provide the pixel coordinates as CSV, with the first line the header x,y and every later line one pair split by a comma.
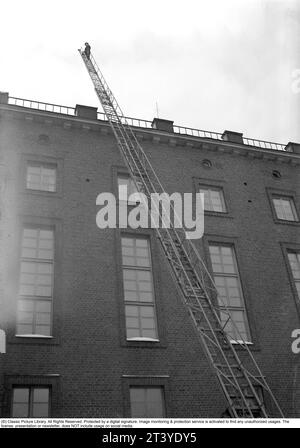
x,y
141,165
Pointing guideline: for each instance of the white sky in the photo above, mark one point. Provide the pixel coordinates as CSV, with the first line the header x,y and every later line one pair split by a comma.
x,y
209,64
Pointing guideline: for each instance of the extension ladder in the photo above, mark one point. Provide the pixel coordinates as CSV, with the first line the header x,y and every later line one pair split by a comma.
x,y
239,375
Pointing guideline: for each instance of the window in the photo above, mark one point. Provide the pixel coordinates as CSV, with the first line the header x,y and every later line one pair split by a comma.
x,y
41,177
285,208
230,296
147,402
213,199
276,174
138,289
126,181
31,402
36,282
294,259
251,402
206,163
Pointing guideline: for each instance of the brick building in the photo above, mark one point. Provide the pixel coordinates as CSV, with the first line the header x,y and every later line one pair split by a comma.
x,y
84,341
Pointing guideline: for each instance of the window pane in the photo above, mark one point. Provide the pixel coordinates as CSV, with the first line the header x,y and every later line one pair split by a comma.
x,y
240,322
131,188
136,252
133,333
21,395
285,209
40,410
36,279
132,322
27,399
298,288
20,406
222,259
294,259
41,177
26,305
41,395
132,311
140,322
43,306
44,330
137,285
151,334
24,329
20,410
213,199
37,244
43,319
146,402
26,318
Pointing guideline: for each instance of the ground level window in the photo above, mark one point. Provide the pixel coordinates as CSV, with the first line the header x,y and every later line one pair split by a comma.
x,y
31,402
147,402
251,402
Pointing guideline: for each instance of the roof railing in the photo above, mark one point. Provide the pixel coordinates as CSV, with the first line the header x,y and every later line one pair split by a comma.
x,y
47,107
146,124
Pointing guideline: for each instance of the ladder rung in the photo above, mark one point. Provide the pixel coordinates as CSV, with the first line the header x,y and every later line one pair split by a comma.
x,y
222,366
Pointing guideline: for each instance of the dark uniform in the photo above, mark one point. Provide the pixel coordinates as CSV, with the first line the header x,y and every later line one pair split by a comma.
x,y
87,50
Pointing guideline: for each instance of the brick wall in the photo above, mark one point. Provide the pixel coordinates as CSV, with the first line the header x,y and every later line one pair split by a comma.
x,y
88,350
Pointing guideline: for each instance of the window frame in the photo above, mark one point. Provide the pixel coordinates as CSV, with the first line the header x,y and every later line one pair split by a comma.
x,y
139,303
291,201
215,184
35,298
156,272
146,381
220,190
146,389
31,388
260,392
286,248
10,305
295,281
237,276
223,239
279,193
38,159
41,166
25,381
127,176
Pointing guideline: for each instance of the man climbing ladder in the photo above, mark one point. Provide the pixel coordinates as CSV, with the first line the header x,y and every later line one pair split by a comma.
x,y
87,50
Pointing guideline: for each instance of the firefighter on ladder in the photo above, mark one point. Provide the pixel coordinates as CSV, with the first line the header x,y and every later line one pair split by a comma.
x,y
87,50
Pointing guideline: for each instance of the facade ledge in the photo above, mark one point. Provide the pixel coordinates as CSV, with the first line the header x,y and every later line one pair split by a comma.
x,y
144,133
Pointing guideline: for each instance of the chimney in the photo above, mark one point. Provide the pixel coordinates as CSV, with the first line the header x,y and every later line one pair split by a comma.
x,y
86,112
293,147
162,125
233,137
4,97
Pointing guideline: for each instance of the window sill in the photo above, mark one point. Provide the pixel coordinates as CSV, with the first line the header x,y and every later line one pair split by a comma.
x,y
240,342
33,336
286,222
242,346
142,340
32,339
45,193
218,214
150,343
